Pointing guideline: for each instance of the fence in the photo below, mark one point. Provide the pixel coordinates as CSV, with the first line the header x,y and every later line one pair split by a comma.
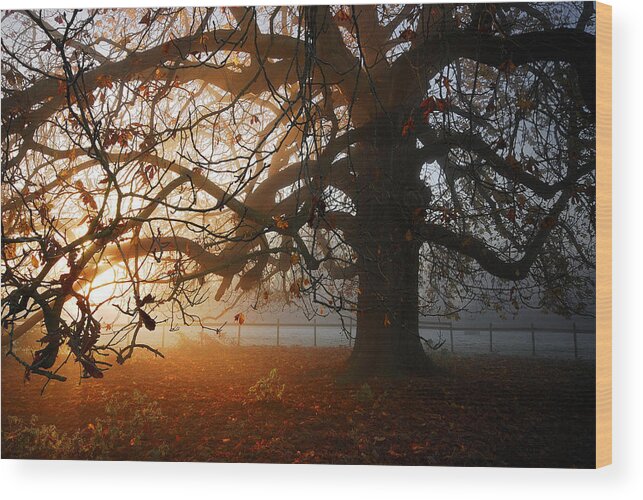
x,y
440,327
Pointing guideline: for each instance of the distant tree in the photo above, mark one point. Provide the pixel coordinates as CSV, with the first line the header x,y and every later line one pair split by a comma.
x,y
384,161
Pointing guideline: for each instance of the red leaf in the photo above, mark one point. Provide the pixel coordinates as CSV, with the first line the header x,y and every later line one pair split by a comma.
x,y
408,127
442,105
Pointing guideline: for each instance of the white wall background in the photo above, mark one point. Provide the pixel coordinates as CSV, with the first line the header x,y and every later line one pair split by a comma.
x,y
95,481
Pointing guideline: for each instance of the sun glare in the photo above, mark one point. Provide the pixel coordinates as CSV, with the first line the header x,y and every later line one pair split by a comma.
x,y
103,287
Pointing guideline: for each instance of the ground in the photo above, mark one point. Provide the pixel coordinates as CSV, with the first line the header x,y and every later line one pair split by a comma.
x,y
197,405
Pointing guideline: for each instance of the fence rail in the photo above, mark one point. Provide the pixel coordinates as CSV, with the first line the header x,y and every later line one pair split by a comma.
x,y
449,327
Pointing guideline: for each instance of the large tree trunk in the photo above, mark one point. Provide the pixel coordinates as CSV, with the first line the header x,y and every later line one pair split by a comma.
x,y
387,341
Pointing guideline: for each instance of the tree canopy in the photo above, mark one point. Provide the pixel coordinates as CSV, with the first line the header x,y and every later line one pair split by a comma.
x,y
387,161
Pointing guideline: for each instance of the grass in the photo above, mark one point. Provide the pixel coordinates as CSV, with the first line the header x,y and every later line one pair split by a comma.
x,y
282,404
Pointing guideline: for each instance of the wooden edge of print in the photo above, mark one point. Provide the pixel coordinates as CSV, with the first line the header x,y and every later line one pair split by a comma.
x,y
604,234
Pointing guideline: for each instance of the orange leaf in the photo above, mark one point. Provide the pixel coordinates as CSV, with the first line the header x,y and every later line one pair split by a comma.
x,y
342,15
280,222
104,81
387,321
240,318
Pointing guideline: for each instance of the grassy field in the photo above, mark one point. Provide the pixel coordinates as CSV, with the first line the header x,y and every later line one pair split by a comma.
x,y
269,404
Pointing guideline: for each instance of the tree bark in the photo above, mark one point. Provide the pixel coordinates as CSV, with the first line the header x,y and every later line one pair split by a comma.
x,y
387,341
389,194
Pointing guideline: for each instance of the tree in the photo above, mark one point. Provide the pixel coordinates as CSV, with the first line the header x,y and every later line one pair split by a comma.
x,y
388,161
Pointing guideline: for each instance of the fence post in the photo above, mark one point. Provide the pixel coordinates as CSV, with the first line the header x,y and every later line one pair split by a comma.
x,y
239,334
350,331
490,337
277,332
575,341
533,340
451,335
163,338
315,333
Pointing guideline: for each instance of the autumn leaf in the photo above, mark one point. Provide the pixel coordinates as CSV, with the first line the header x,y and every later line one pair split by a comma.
x,y
548,222
408,127
442,105
34,261
104,81
89,200
240,318
295,289
408,236
428,105
387,321
417,448
408,34
91,370
148,321
342,16
525,104
280,221
447,84
294,259
507,67
511,214
46,47
393,453
148,299
146,19
512,162
59,19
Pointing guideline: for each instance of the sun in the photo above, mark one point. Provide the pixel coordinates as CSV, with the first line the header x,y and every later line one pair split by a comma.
x,y
103,287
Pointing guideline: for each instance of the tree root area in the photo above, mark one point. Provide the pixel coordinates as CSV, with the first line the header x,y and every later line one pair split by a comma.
x,y
219,403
